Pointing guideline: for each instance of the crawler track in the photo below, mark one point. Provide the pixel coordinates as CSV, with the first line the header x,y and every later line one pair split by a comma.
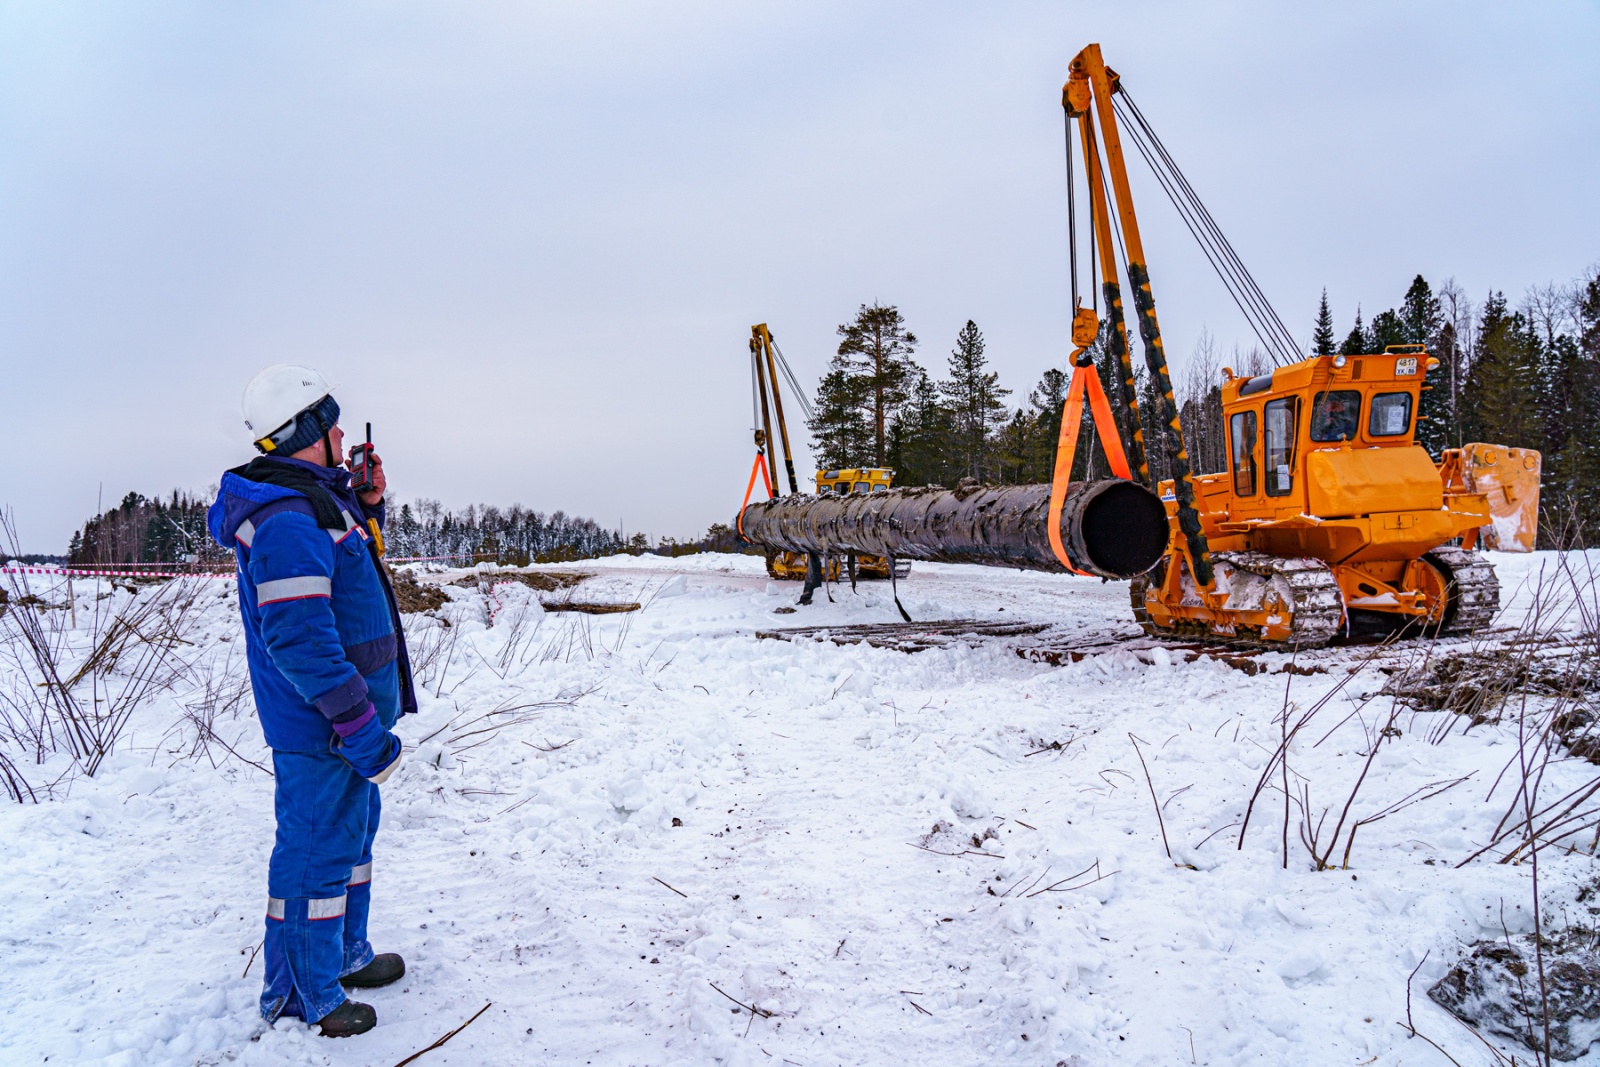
x,y
1308,585
1474,589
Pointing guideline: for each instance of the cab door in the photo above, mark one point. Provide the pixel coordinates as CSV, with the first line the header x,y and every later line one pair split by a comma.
x,y
1244,456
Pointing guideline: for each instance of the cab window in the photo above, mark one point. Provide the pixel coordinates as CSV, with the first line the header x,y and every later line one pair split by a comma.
x,y
863,487
1391,415
1242,431
1280,420
880,487
1336,416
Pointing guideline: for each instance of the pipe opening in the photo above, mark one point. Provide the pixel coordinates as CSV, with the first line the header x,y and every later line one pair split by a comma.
x,y
1124,529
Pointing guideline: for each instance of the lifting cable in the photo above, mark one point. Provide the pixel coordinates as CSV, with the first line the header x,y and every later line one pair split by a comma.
x,y
755,402
1264,321
794,383
1272,349
1144,126
1072,219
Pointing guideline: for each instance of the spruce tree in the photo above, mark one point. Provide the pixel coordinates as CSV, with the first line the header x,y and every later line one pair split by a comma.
x,y
1386,330
1322,336
1420,314
1570,509
973,396
1043,421
1013,447
1157,436
1422,323
1357,342
919,436
841,436
1502,394
876,355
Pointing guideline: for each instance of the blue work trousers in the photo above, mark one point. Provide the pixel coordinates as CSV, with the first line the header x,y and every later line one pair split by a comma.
x,y
319,883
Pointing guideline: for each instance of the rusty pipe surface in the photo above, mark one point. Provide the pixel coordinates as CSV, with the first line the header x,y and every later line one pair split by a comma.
x,y
1111,528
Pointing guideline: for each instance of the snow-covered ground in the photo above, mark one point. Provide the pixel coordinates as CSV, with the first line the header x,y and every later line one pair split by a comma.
x,y
946,857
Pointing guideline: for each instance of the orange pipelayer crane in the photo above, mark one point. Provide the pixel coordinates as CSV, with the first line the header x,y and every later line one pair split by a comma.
x,y
1329,513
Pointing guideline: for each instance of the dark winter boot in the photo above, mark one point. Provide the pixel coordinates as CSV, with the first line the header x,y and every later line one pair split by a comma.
x,y
348,1019
385,967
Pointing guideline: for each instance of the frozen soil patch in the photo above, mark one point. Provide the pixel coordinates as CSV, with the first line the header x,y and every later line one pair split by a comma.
x,y
412,596
1498,987
543,581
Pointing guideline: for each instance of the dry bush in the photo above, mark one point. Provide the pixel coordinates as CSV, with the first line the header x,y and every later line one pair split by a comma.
x,y
222,695
53,702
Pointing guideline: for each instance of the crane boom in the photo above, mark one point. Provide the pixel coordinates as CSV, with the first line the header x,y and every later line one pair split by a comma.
x,y
761,347
1086,96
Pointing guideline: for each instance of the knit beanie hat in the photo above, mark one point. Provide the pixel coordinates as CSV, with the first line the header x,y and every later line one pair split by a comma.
x,y
306,428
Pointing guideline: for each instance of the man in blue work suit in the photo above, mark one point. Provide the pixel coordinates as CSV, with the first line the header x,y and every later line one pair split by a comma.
x,y
329,670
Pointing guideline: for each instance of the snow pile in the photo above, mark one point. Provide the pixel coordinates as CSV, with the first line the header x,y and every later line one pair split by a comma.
x,y
627,831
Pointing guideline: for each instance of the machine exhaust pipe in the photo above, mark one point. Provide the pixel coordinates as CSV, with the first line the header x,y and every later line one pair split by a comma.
x,y
1111,528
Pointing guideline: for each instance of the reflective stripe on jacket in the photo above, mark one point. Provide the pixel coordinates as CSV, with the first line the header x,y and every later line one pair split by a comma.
x,y
320,622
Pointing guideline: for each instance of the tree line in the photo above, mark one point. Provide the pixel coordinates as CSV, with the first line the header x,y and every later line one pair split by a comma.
x,y
1526,376
173,531
147,530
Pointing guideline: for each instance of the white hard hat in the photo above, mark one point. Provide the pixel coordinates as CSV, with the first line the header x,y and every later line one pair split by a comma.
x,y
279,393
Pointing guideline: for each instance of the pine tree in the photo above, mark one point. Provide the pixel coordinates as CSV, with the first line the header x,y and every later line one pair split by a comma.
x,y
876,355
973,396
1322,336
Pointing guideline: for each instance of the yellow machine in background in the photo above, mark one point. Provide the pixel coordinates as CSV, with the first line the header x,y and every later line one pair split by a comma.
x,y
791,566
1328,506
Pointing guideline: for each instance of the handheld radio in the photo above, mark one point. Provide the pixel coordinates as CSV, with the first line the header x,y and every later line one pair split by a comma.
x,y
361,481
360,468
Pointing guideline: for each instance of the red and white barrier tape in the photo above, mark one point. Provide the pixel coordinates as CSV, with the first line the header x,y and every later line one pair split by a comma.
x,y
145,572
52,572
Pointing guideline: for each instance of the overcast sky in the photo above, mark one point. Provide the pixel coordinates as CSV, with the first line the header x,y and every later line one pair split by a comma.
x,y
529,240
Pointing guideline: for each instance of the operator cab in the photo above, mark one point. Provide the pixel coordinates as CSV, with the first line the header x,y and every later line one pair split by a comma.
x,y
854,480
1326,403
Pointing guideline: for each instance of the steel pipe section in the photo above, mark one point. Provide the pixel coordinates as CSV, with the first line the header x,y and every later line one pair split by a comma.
x,y
1112,528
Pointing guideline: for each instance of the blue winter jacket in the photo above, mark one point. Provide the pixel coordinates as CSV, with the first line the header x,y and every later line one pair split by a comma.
x,y
322,630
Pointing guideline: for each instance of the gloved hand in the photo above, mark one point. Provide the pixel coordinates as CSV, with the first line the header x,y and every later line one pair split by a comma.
x,y
372,751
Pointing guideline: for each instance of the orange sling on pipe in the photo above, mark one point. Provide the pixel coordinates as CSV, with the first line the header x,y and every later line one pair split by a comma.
x,y
1084,380
760,465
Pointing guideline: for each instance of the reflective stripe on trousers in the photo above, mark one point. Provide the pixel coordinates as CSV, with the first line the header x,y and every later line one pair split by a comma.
x,y
326,908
